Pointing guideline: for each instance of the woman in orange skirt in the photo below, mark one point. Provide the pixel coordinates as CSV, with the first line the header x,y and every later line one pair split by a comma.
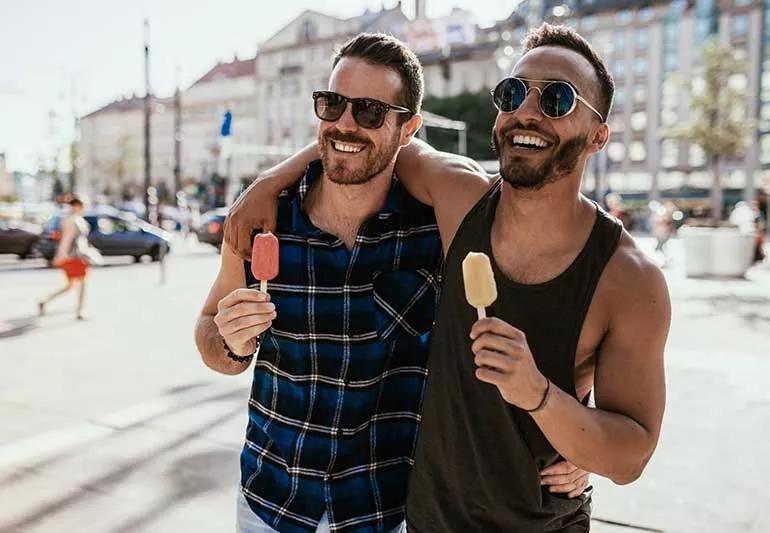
x,y
69,256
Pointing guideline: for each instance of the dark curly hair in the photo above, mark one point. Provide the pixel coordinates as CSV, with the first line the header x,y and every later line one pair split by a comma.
x,y
566,37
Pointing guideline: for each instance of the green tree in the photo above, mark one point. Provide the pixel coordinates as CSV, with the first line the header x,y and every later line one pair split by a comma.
x,y
478,113
718,121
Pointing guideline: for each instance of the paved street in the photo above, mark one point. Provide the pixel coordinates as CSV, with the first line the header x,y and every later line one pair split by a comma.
x,y
114,424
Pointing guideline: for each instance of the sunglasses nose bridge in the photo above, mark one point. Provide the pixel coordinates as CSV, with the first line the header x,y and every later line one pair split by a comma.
x,y
346,122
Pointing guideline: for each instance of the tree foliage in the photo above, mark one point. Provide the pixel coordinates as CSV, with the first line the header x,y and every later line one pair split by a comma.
x,y
478,113
717,121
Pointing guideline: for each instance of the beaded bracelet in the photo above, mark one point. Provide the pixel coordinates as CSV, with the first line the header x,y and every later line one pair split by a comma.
x,y
240,358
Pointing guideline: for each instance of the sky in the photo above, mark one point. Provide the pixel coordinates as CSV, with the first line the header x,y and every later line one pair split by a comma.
x,y
59,58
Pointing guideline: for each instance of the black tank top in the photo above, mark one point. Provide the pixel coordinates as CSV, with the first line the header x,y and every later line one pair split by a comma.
x,y
478,458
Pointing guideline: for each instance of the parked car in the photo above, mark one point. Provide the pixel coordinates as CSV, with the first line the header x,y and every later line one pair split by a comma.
x,y
113,233
17,237
211,227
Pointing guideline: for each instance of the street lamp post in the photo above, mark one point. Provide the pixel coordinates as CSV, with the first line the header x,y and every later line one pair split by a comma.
x,y
147,112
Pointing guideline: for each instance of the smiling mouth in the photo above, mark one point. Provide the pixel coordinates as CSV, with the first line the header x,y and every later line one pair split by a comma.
x,y
347,148
528,142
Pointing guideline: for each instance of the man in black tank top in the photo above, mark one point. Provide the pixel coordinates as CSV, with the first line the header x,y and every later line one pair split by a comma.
x,y
580,309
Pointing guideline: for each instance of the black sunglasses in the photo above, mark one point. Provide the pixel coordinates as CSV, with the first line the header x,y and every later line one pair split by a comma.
x,y
557,98
367,112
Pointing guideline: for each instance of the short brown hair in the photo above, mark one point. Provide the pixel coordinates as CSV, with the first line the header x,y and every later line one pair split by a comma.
x,y
74,201
566,37
386,50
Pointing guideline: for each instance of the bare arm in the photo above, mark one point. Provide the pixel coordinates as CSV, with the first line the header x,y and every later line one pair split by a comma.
x,y
619,436
451,183
68,233
234,313
256,206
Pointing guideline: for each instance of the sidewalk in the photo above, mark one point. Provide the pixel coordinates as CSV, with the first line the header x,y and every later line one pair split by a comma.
x,y
114,424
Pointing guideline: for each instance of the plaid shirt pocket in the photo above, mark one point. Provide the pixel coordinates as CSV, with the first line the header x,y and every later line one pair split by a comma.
x,y
404,302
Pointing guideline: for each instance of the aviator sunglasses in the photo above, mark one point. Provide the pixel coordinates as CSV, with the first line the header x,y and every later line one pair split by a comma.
x,y
367,112
557,98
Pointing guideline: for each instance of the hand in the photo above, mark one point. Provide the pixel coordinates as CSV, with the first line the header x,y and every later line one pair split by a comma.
x,y
505,361
242,316
564,477
255,208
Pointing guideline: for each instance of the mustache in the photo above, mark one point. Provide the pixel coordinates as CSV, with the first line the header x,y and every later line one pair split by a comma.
x,y
331,135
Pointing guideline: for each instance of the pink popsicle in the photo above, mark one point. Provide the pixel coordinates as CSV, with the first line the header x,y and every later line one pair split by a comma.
x,y
264,258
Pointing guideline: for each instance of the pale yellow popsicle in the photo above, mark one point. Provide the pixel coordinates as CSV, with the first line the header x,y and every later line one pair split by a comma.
x,y
479,281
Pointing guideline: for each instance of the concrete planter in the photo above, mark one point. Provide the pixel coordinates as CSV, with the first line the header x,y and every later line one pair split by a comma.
x,y
721,252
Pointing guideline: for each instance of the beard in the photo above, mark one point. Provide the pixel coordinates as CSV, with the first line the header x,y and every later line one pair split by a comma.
x,y
521,174
342,170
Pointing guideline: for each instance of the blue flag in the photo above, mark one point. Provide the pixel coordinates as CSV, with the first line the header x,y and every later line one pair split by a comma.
x,y
226,123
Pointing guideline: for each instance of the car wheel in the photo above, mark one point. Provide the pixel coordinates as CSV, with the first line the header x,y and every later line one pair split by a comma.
x,y
155,253
137,259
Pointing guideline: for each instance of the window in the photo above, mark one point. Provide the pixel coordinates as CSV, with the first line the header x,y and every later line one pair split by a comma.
x,y
637,151
616,151
670,62
619,100
619,42
764,149
642,38
640,94
740,25
619,69
624,17
645,14
590,22
641,66
308,31
697,157
639,120
669,153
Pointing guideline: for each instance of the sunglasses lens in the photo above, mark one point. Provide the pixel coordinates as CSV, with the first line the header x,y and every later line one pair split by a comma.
x,y
509,94
329,106
369,113
557,100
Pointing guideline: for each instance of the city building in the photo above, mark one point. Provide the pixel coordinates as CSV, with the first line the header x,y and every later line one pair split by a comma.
x,y
112,149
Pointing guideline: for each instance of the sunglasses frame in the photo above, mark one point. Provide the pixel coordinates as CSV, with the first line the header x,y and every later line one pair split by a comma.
x,y
577,98
352,101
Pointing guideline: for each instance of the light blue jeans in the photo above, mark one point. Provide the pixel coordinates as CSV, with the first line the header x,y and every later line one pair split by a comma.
x,y
248,522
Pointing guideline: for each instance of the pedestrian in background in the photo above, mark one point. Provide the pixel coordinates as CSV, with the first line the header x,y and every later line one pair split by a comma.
x,y
72,255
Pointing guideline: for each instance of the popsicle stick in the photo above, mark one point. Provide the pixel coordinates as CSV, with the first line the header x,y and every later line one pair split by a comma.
x,y
482,312
263,285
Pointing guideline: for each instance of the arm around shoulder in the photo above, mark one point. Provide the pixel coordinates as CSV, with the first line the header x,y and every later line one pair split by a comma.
x,y
432,176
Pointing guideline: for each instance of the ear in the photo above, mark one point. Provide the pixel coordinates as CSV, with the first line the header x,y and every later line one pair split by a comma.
x,y
599,139
409,129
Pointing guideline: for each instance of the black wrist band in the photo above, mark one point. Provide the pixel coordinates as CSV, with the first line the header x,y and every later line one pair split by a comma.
x,y
240,358
542,402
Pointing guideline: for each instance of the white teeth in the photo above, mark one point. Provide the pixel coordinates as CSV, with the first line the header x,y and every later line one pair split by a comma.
x,y
528,140
342,147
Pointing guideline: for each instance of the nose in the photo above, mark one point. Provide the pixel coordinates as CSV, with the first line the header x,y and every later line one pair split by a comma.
x,y
346,122
529,110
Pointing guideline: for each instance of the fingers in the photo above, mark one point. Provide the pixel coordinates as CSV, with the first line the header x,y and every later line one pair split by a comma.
x,y
497,326
494,361
496,343
244,336
242,295
565,478
488,375
562,467
245,322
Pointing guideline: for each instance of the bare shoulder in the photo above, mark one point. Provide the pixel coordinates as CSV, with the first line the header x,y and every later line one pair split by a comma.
x,y
456,202
633,284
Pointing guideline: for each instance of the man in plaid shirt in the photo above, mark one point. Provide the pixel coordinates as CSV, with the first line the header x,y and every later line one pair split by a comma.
x,y
340,342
